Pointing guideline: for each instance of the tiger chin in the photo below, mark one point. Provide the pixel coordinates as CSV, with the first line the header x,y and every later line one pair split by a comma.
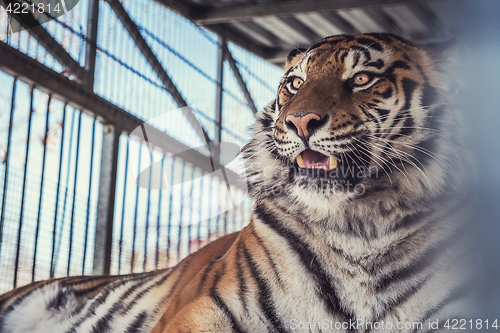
x,y
359,223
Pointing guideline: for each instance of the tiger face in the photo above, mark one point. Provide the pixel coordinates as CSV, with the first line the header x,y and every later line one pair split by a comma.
x,y
353,116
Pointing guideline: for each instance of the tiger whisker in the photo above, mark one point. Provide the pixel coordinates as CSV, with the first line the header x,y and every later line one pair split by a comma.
x,y
408,160
381,158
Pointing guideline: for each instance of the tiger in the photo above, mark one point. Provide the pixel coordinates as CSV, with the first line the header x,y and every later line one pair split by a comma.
x,y
360,222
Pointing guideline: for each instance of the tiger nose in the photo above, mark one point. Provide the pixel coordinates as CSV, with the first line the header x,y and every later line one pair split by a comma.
x,y
305,125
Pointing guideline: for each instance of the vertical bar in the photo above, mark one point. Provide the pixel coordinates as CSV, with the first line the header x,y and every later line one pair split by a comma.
x,y
41,182
217,219
91,47
87,219
158,219
200,216
68,171
54,228
6,173
170,199
234,228
226,217
72,222
106,202
190,216
181,214
8,28
146,231
26,159
209,221
240,80
135,214
120,244
143,46
219,95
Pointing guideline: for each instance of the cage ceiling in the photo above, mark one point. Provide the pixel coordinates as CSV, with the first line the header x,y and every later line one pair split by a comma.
x,y
270,29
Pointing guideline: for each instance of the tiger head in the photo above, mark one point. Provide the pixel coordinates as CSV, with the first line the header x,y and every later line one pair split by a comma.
x,y
355,117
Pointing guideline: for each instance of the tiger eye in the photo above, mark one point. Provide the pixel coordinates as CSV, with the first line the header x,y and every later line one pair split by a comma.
x,y
361,79
297,82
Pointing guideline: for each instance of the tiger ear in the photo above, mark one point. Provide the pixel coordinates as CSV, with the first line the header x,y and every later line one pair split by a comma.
x,y
441,52
294,57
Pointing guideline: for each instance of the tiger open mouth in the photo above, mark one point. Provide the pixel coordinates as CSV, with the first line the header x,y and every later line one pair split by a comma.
x,y
314,164
310,159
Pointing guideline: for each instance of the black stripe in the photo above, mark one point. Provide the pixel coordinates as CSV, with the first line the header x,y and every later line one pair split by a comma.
x,y
342,57
137,325
356,60
389,72
370,43
310,261
429,95
345,136
266,120
85,291
80,292
242,290
382,113
83,280
203,278
295,52
428,147
411,219
337,53
386,94
458,293
408,88
235,327
377,64
139,280
416,266
270,257
408,126
20,298
400,299
101,326
186,265
363,50
266,302
103,323
380,36
144,291
331,41
58,301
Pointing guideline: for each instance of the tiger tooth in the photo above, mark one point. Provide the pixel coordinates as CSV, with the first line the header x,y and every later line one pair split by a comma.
x,y
300,161
332,163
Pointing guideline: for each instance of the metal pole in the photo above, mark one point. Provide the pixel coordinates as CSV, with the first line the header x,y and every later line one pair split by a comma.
x,y
91,47
143,46
54,228
38,219
218,101
106,201
240,80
